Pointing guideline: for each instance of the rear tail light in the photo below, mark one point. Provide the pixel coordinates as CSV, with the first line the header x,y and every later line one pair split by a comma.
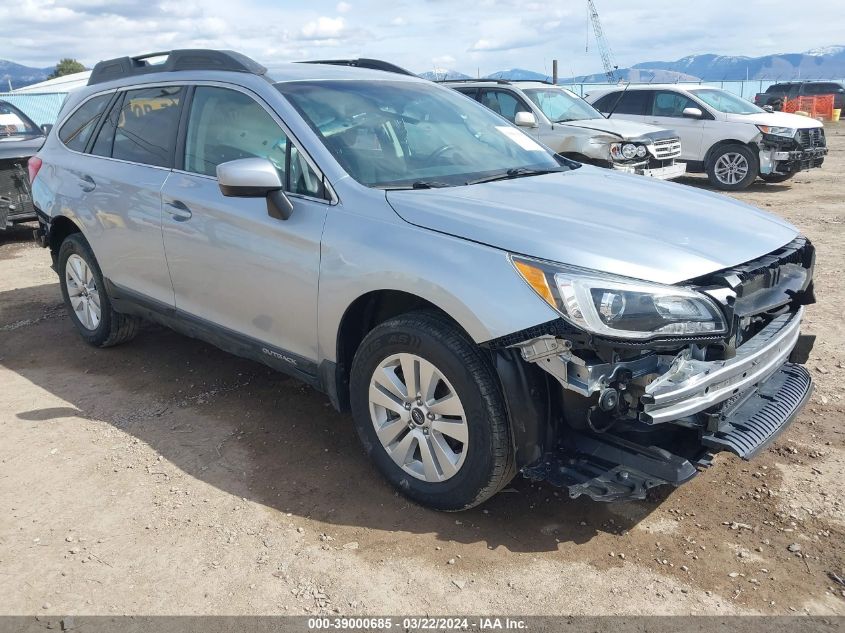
x,y
33,165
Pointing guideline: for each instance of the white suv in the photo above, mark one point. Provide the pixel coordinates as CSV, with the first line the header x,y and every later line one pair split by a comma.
x,y
730,138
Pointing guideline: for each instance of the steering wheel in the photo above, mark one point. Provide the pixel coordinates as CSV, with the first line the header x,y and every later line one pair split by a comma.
x,y
438,152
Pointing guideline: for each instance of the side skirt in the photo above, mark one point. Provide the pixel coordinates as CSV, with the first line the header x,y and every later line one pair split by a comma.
x,y
129,302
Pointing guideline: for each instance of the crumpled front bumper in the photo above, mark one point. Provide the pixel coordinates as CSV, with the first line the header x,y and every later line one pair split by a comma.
x,y
691,410
692,385
668,172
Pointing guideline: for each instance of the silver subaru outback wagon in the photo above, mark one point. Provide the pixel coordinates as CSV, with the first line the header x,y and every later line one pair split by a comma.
x,y
482,306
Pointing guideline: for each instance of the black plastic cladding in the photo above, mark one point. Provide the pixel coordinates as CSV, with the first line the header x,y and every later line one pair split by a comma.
x,y
177,60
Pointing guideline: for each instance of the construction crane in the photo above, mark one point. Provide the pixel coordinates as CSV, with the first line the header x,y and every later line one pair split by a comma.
x,y
604,47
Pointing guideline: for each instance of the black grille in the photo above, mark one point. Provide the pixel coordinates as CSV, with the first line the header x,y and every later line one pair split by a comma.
x,y
760,418
742,278
811,138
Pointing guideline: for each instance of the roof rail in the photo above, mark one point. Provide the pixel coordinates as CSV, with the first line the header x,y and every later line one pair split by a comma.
x,y
183,59
363,62
535,81
483,79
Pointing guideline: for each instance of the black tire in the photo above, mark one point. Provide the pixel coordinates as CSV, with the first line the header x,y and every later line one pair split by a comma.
x,y
735,149
776,178
489,461
113,328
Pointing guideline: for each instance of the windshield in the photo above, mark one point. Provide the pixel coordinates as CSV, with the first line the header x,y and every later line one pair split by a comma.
x,y
399,134
560,105
726,102
13,122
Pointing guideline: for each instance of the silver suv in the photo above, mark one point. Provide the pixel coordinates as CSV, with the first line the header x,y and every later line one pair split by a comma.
x,y
567,124
482,306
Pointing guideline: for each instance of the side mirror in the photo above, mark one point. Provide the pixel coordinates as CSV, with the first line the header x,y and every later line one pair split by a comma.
x,y
255,178
693,113
525,119
45,129
768,108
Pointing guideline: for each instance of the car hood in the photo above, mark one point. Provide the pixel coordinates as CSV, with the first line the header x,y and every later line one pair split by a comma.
x,y
618,127
19,146
593,218
783,119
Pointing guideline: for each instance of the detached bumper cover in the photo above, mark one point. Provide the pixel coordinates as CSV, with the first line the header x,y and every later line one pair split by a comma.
x,y
663,173
753,422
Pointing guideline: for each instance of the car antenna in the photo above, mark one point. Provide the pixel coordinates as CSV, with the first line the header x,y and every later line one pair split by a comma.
x,y
618,99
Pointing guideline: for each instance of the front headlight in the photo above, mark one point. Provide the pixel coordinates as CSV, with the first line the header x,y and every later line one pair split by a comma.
x,y
621,308
627,151
776,130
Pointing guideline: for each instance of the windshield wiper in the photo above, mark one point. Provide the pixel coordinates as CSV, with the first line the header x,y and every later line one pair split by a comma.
x,y
516,172
418,184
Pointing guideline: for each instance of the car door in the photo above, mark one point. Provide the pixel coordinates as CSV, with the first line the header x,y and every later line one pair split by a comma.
x,y
128,161
232,265
667,111
505,103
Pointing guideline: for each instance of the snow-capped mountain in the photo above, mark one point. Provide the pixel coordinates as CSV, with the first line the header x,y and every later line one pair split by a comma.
x,y
819,63
442,74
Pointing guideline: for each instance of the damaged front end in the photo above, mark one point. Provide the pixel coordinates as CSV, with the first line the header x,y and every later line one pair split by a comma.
x,y
615,417
652,154
789,151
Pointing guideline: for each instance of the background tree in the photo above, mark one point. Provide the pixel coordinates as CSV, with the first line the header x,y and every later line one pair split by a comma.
x,y
66,66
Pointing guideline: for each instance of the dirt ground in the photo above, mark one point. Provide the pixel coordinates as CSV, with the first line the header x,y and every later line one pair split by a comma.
x,y
167,477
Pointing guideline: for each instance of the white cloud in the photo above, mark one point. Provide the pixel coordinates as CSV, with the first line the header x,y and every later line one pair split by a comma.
x,y
483,36
323,28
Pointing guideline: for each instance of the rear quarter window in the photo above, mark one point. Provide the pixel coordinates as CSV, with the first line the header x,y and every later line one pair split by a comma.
x,y
77,129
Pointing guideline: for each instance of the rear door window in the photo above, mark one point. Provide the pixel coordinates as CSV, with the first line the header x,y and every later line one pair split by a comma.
x,y
634,102
147,124
472,93
80,125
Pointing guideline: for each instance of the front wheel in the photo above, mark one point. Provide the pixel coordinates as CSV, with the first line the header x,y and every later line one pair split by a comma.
x,y
429,412
732,167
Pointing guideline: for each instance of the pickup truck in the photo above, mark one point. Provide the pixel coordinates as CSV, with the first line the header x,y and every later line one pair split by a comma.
x,y
777,94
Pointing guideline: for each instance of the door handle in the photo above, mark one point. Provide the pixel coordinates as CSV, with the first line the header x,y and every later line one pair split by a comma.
x,y
86,183
178,209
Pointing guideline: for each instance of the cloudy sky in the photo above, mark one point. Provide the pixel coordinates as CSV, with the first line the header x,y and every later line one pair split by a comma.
x,y
475,36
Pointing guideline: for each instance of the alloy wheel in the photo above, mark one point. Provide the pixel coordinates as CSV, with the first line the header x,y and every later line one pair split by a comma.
x,y
82,291
418,417
731,168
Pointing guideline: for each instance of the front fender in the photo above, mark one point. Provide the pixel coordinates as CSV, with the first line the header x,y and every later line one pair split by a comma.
x,y
473,283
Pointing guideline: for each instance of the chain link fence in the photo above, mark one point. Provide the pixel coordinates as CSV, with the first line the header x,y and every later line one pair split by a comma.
x,y
42,108
744,89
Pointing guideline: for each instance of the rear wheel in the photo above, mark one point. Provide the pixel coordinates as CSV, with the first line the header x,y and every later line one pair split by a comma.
x,y
732,167
85,296
429,412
